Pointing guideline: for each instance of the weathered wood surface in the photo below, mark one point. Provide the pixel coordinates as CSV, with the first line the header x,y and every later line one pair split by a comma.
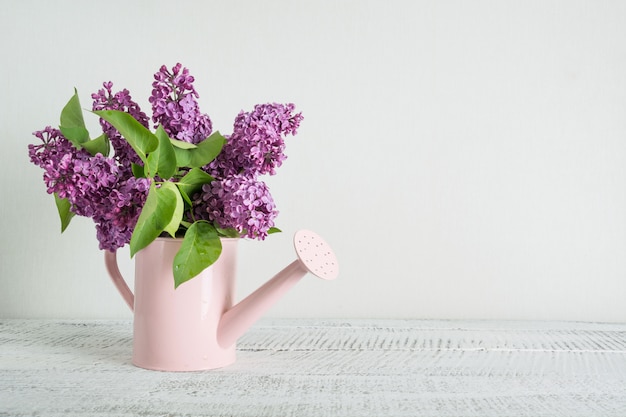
x,y
324,368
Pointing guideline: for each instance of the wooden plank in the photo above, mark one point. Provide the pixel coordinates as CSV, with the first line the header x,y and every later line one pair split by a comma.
x,y
325,368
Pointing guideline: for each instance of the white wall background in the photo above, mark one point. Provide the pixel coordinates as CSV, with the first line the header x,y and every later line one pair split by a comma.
x,y
465,159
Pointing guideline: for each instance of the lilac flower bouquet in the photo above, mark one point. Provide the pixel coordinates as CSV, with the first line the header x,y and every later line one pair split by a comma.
x,y
182,180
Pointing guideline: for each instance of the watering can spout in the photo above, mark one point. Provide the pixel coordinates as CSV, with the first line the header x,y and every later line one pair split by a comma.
x,y
314,256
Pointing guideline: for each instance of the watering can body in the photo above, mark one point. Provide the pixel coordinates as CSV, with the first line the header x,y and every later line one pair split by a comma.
x,y
195,326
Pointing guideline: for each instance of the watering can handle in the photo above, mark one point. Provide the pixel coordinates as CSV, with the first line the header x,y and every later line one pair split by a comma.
x,y
110,261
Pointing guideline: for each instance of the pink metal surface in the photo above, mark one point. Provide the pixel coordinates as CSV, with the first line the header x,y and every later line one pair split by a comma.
x,y
238,319
195,326
176,329
110,261
314,256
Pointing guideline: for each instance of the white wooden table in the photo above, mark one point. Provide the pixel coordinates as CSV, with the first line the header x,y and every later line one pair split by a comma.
x,y
324,368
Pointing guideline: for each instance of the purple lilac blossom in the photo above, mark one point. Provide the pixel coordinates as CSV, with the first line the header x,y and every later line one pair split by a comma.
x,y
92,179
174,105
238,202
256,146
93,185
119,213
58,158
104,99
104,189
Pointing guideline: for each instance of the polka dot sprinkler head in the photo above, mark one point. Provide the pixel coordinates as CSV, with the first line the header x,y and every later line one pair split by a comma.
x,y
316,255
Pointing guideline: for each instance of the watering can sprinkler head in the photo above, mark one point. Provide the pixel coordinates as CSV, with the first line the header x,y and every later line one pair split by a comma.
x,y
315,255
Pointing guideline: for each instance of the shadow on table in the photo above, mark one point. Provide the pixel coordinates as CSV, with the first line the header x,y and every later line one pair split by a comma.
x,y
84,342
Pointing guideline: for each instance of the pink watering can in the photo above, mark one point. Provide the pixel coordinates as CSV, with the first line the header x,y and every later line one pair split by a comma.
x,y
195,326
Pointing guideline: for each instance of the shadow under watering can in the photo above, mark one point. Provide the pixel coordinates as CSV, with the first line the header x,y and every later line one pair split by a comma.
x,y
196,326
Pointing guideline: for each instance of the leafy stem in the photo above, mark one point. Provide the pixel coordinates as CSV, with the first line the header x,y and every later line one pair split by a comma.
x,y
168,159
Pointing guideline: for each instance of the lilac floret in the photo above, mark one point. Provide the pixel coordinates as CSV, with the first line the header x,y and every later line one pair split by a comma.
x,y
94,186
120,211
257,144
238,202
174,105
104,99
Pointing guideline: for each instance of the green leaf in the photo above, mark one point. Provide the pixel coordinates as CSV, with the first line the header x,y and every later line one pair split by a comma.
x,y
162,160
138,136
138,171
199,250
230,232
72,122
185,197
207,150
202,154
183,157
273,230
193,181
76,135
63,207
182,144
177,216
98,145
155,216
